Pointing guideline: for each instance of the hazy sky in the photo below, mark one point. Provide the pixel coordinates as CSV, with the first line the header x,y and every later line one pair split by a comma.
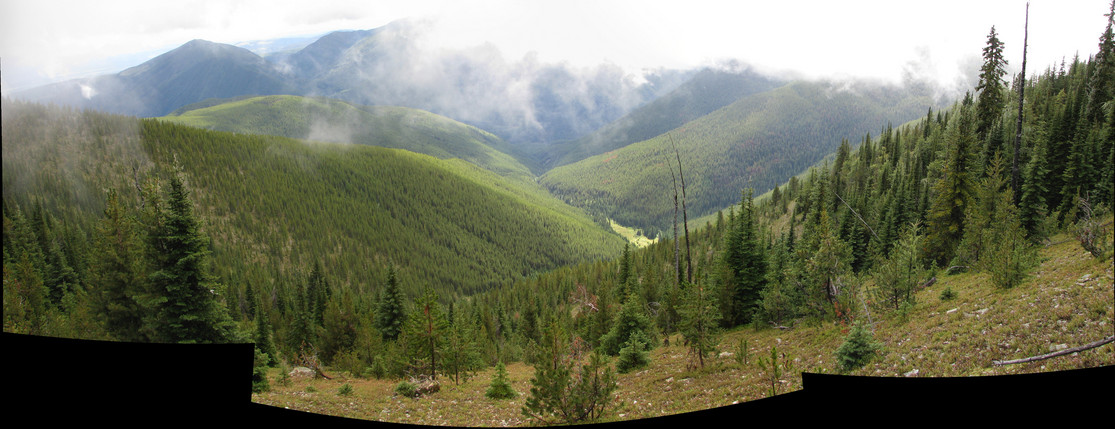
x,y
938,39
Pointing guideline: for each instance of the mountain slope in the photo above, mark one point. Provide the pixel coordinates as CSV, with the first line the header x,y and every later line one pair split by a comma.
x,y
274,206
706,91
322,119
195,71
759,141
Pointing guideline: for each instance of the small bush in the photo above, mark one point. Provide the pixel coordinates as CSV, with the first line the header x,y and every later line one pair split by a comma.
x,y
349,361
501,387
345,390
858,349
284,375
743,353
406,389
633,355
947,294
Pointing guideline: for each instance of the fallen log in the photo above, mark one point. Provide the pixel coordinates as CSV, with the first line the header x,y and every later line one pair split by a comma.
x,y
1055,354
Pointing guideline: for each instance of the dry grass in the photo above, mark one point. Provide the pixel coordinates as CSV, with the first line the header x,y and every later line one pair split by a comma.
x,y
1067,301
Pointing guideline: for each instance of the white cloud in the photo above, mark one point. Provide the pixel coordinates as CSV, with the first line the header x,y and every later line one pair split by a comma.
x,y
853,38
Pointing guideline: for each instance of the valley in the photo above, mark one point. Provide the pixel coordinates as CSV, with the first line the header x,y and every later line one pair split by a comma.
x,y
402,235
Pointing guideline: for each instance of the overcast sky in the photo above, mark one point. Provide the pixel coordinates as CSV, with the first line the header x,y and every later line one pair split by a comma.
x,y
46,40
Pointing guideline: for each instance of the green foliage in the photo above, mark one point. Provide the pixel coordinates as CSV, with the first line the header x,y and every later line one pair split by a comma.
x,y
699,315
948,294
771,135
424,336
632,321
186,309
260,364
390,313
858,349
406,389
462,353
561,394
345,390
743,353
329,120
773,370
744,265
500,388
897,278
633,355
1089,232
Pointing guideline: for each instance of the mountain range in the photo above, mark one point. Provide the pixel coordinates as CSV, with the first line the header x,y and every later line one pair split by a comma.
x,y
597,138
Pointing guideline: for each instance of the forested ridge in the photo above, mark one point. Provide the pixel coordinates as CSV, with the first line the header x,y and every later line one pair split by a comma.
x,y
857,258
757,141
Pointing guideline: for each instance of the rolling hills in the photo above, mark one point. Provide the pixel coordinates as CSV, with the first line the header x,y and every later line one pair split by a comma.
x,y
758,141
275,205
322,119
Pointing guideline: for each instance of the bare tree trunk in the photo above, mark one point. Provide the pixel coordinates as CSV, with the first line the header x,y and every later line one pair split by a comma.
x,y
1015,179
677,252
684,215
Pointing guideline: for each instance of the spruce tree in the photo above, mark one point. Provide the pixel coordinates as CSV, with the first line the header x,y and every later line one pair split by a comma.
x,y
952,192
500,388
699,317
989,106
187,309
390,314
116,274
424,335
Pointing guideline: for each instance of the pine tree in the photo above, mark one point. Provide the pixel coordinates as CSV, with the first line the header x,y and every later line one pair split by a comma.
x,y
116,274
897,277
187,309
951,193
424,335
500,388
631,321
560,395
991,97
262,339
699,317
390,314
462,353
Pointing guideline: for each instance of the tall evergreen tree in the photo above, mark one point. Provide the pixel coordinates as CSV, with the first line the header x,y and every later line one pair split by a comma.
x,y
991,86
116,274
951,193
391,314
424,335
187,309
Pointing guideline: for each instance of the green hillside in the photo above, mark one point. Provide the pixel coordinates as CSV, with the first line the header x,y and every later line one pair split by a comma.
x,y
323,119
759,141
274,206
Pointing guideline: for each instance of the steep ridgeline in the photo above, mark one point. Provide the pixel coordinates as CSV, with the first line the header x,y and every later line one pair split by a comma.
x,y
195,71
322,119
274,206
708,90
758,141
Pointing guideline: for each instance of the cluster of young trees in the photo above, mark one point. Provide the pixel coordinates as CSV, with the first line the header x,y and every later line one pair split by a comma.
x,y
145,277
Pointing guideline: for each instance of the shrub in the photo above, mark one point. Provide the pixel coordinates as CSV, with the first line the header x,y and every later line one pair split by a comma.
x,y
406,389
501,387
947,294
345,390
858,349
633,355
743,353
